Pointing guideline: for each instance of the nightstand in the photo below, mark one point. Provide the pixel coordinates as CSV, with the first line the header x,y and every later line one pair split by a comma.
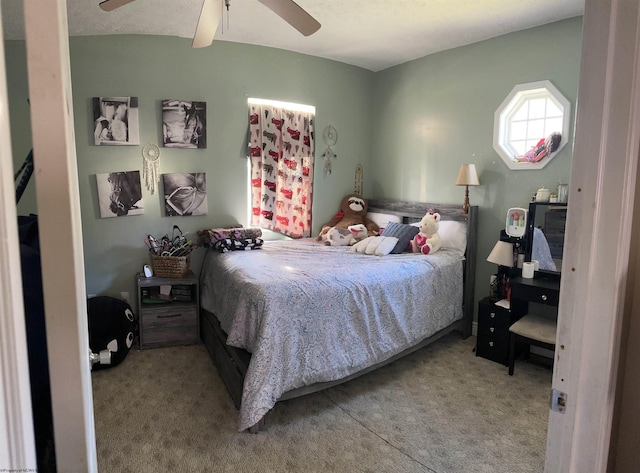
x,y
169,320
493,331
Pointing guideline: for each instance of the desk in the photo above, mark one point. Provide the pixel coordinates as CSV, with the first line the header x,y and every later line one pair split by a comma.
x,y
535,330
541,289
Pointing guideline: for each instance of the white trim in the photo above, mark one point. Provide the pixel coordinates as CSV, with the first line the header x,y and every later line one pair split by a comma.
x,y
598,238
503,114
298,107
60,230
17,445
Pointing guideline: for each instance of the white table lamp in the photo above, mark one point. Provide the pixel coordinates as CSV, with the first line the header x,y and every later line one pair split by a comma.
x,y
467,176
502,254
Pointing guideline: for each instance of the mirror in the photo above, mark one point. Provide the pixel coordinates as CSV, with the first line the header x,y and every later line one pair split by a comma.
x,y
545,235
531,125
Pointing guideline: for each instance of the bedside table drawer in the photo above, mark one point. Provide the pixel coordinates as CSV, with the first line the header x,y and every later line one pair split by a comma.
x,y
169,325
492,321
493,347
493,332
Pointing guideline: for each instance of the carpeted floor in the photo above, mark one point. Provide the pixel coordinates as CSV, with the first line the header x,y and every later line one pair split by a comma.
x,y
440,410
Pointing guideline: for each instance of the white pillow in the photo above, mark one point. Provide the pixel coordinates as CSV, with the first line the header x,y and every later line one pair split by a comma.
x,y
452,233
383,219
375,245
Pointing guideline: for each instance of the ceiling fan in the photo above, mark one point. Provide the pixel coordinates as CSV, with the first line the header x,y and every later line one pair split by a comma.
x,y
211,14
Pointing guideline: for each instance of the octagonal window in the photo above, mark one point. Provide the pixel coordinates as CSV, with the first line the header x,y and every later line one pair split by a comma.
x,y
531,125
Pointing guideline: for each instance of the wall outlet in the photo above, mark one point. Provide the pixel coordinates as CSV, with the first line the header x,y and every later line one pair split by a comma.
x,y
124,295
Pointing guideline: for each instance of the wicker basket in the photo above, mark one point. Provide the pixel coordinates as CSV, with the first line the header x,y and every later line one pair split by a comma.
x,y
170,266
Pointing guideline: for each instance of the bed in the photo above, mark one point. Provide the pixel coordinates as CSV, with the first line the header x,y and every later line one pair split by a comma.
x,y
328,314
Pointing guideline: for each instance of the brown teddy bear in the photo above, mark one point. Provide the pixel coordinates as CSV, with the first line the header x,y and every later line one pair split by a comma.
x,y
353,211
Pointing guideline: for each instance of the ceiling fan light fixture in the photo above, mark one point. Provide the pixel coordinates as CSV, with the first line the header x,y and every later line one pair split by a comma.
x,y
212,11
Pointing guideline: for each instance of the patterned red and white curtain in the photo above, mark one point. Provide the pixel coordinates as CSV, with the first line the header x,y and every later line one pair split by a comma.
x,y
281,153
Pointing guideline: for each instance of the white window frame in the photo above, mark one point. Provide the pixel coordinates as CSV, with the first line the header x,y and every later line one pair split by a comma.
x,y
521,94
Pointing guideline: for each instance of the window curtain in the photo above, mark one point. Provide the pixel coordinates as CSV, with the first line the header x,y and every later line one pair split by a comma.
x,y
281,154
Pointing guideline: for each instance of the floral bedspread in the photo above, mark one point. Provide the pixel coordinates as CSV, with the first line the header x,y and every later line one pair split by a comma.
x,y
310,313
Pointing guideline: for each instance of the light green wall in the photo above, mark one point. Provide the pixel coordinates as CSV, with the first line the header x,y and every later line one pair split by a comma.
x,y
437,112
224,76
411,127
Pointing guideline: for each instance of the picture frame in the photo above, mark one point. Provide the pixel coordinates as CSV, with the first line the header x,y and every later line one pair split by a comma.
x,y
185,194
119,194
184,124
115,121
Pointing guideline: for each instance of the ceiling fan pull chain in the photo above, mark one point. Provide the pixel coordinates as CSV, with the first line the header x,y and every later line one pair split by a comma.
x,y
227,3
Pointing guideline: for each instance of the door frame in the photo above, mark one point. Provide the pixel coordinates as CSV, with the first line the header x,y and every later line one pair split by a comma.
x,y
598,238
17,443
60,230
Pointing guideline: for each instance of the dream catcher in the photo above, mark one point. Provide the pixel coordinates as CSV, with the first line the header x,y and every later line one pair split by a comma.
x,y
330,138
151,169
358,180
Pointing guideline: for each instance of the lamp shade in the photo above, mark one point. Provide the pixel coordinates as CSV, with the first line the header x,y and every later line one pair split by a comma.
x,y
467,176
502,254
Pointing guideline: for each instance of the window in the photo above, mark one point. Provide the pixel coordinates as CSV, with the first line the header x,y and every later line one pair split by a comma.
x,y
531,125
281,166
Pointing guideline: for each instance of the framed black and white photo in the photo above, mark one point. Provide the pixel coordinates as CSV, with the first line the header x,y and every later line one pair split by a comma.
x,y
115,121
185,194
184,124
119,194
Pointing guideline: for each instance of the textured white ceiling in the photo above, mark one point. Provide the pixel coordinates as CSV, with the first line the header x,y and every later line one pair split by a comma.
x,y
373,34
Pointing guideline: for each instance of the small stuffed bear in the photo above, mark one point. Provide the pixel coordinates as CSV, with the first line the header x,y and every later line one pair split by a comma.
x,y
427,241
353,211
341,237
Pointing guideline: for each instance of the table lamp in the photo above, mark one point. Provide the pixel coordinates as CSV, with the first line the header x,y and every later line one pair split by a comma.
x,y
467,176
502,255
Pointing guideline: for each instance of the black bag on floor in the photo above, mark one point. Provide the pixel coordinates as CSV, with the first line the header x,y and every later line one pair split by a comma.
x,y
112,328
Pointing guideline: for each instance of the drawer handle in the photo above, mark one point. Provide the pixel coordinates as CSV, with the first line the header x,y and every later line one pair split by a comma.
x,y
168,316
493,315
544,297
490,344
491,329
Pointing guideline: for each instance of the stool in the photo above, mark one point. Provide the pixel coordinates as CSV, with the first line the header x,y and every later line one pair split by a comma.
x,y
531,330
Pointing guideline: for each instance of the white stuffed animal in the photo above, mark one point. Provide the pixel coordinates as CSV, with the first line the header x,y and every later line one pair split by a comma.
x,y
345,237
375,245
428,240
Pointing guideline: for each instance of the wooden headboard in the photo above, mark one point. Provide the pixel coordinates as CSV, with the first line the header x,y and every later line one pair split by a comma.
x,y
414,211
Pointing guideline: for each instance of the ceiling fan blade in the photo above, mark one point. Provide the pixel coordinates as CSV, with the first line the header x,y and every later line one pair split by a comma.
x,y
293,14
210,16
109,5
